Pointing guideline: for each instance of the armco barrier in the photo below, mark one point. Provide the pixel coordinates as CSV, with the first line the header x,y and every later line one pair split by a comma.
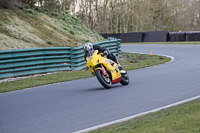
x,y
21,62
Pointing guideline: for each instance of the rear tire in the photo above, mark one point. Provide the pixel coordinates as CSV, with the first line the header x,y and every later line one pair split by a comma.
x,y
106,82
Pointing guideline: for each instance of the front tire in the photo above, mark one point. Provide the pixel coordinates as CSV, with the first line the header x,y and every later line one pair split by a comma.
x,y
124,79
106,82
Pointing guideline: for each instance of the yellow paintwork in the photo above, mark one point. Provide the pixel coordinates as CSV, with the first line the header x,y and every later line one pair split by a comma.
x,y
96,59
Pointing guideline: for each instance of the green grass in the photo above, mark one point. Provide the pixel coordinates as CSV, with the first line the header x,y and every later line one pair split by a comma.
x,y
184,118
130,61
192,42
43,80
134,61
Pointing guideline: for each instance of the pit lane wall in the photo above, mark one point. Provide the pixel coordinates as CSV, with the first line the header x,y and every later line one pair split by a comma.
x,y
156,36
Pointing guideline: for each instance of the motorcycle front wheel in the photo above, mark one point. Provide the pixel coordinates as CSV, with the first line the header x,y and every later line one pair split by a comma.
x,y
105,81
124,79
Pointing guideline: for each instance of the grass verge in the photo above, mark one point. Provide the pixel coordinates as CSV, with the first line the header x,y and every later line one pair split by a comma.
x,y
192,42
130,61
180,119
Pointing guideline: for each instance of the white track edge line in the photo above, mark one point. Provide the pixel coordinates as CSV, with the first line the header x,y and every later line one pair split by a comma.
x,y
137,115
134,116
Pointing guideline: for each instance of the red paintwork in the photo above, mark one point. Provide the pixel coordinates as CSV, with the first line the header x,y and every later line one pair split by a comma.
x,y
116,80
104,73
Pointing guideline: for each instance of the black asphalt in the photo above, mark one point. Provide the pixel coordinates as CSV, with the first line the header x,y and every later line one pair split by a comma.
x,y
75,105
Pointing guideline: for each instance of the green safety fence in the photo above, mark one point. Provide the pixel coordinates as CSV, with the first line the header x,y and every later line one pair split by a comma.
x,y
20,62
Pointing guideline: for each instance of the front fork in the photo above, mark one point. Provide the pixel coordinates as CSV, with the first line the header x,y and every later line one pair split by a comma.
x,y
103,70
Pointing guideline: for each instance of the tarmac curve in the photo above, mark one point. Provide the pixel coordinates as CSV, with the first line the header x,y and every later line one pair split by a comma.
x,y
80,104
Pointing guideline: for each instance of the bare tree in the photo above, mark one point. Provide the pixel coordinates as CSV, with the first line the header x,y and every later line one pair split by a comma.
x,y
114,16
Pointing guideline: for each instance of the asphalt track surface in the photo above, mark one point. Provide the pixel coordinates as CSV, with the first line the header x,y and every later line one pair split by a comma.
x,y
75,105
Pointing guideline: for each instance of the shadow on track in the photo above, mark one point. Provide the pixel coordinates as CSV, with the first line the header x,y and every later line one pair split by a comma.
x,y
104,89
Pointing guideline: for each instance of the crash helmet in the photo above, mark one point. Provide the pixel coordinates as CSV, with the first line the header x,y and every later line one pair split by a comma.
x,y
87,46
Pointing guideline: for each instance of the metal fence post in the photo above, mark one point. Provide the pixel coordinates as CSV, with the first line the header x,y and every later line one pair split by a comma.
x,y
118,47
71,57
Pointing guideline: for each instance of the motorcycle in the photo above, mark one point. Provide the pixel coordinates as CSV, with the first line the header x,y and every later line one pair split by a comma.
x,y
106,70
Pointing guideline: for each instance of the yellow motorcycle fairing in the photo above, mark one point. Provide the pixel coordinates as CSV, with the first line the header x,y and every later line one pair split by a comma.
x,y
96,61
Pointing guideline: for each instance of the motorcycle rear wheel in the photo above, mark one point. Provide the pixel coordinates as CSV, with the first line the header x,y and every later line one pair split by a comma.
x,y
106,82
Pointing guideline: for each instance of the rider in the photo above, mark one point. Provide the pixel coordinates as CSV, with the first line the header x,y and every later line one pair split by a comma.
x,y
89,46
